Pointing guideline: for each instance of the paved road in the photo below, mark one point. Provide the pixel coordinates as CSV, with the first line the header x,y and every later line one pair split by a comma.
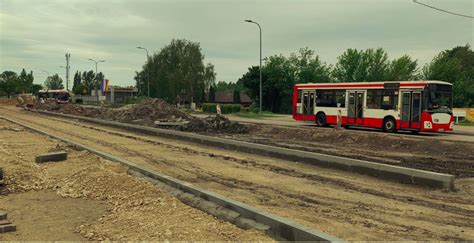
x,y
461,133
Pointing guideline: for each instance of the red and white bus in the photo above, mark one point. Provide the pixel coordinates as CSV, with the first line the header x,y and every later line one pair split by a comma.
x,y
417,106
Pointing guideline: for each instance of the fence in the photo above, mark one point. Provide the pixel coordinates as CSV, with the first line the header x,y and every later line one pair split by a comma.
x,y
88,98
467,113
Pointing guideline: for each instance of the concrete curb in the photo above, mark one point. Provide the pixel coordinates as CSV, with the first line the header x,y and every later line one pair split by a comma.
x,y
55,156
281,227
384,171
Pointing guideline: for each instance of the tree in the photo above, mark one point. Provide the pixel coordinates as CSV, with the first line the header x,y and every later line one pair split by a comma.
x,y
457,67
177,72
403,68
25,81
280,74
8,82
309,68
251,82
226,86
54,82
35,88
212,94
360,66
236,97
76,81
88,81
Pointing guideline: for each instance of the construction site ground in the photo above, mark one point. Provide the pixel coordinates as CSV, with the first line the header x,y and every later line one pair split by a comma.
x,y
88,198
348,206
427,151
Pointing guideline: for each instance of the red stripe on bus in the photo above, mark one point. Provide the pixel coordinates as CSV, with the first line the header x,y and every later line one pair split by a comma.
x,y
355,85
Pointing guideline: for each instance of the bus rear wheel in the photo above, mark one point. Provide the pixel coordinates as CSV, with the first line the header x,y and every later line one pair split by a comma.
x,y
389,125
321,120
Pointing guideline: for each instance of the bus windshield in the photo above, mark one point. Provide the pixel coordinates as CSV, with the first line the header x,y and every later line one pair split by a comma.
x,y
439,98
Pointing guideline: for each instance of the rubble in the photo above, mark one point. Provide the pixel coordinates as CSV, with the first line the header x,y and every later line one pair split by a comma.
x,y
219,124
150,112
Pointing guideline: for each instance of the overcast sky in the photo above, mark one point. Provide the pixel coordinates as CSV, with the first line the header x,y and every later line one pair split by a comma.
x,y
35,34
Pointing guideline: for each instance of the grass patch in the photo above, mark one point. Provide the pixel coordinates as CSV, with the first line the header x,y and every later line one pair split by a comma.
x,y
465,122
254,114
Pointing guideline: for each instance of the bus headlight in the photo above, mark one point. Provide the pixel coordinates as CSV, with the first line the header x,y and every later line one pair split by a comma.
x,y
428,125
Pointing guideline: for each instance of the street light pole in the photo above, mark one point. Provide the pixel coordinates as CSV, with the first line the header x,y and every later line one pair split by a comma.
x,y
260,67
147,58
96,81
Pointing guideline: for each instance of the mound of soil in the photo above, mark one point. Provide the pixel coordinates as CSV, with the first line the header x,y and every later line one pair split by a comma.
x,y
146,112
219,124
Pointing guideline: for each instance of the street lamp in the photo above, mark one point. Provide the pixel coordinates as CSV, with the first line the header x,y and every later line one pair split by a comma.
x,y
147,58
96,81
260,28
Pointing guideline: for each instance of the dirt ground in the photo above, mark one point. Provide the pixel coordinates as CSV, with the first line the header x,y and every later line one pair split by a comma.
x,y
346,205
451,157
88,198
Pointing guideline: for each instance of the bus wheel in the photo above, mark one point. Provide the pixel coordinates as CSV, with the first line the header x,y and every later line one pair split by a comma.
x,y
321,120
389,125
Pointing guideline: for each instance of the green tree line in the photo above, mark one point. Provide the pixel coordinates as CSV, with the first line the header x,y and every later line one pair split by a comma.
x,y
281,73
177,73
84,83
12,83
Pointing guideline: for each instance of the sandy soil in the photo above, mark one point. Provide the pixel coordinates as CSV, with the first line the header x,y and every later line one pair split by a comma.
x,y
417,152
349,206
88,198
452,157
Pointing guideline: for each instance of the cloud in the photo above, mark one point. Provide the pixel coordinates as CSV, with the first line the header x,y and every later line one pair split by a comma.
x,y
35,35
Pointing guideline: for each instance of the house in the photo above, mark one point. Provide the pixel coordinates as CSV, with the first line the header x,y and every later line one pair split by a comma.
x,y
118,94
227,97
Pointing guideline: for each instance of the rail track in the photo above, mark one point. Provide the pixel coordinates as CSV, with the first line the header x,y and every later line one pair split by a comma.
x,y
344,205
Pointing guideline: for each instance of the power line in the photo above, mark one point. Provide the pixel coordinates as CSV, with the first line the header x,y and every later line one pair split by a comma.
x,y
442,10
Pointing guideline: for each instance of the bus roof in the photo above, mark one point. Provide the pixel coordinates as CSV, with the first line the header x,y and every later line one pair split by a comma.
x,y
53,91
370,84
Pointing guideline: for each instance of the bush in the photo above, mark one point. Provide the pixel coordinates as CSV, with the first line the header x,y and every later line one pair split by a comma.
x,y
254,108
133,100
209,107
225,109
79,101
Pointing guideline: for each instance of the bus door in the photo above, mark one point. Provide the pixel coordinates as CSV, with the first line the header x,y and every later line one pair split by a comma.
x,y
355,109
410,110
308,102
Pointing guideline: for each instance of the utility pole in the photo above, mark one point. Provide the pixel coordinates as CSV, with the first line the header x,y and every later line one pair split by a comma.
x,y
68,56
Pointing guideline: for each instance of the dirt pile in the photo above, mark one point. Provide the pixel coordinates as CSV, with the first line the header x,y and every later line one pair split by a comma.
x,y
146,112
219,124
73,109
9,102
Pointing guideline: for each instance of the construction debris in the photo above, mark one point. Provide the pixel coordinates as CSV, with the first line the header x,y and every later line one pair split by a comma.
x,y
56,156
218,124
150,112
5,225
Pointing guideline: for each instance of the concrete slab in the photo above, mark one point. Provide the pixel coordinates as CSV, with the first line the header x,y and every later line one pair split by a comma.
x,y
7,228
56,156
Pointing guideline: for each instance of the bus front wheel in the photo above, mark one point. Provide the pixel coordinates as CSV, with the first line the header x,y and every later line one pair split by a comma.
x,y
389,125
321,120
